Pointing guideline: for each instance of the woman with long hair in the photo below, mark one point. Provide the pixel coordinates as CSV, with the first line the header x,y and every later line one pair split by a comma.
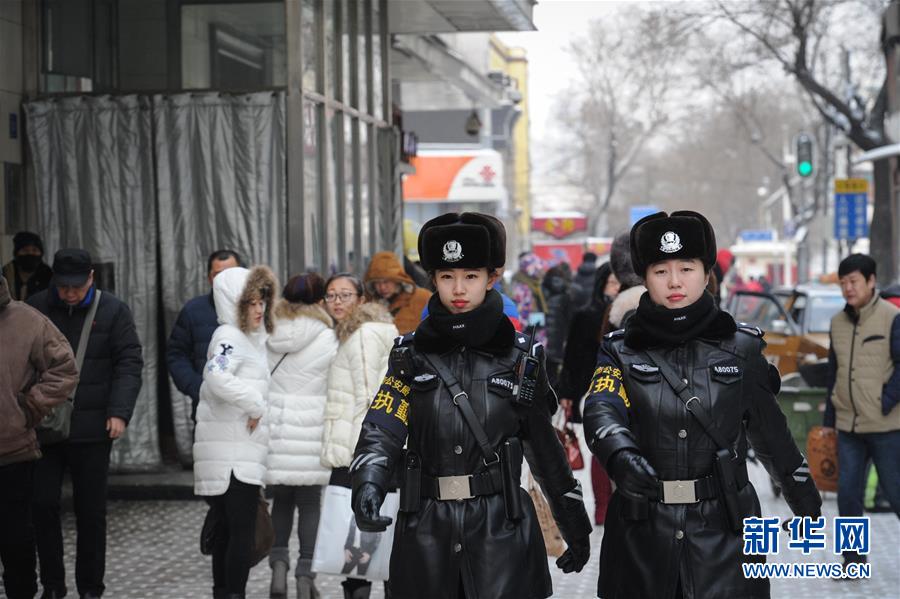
x,y
365,333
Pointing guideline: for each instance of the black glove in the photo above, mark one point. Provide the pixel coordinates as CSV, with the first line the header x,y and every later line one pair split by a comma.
x,y
366,505
576,556
633,473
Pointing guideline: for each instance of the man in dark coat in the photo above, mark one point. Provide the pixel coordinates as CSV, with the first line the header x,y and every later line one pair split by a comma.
x,y
583,282
27,273
186,349
110,381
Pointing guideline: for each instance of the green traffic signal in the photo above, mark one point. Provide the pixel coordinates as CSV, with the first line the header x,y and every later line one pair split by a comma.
x,y
804,155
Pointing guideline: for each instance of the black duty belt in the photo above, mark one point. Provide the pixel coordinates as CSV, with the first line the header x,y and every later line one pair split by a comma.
x,y
466,486
693,491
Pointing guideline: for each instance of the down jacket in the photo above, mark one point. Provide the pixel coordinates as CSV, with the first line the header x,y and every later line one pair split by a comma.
x,y
300,351
366,337
406,307
111,374
37,372
235,386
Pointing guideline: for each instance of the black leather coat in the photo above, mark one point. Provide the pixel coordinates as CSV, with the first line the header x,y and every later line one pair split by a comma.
x,y
646,554
469,541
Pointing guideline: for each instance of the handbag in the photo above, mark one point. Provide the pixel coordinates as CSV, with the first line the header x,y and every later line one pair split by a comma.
x,y
264,532
569,440
55,426
553,541
342,549
822,455
213,527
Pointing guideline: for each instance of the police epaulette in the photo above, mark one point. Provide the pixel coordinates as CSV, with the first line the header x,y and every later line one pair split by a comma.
x,y
404,339
615,334
521,341
750,329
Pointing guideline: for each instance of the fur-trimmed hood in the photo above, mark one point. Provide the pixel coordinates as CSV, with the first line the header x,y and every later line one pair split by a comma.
x,y
298,325
624,304
292,310
367,312
233,290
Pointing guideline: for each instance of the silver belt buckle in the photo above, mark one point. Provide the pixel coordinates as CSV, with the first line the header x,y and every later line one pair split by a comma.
x,y
679,491
454,487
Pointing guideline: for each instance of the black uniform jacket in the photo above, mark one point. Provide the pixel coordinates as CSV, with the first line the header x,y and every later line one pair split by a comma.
x,y
469,541
631,406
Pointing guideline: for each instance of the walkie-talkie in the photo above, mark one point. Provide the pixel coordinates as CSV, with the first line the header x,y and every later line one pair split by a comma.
x,y
527,369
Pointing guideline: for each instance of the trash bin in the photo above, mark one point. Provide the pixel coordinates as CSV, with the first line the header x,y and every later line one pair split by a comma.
x,y
803,407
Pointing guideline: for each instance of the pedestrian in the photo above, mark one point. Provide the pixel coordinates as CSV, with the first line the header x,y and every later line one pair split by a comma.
x,y
583,282
465,527
110,380
387,283
231,440
27,273
679,359
864,389
560,303
366,333
194,327
724,260
300,354
631,287
527,293
37,373
582,345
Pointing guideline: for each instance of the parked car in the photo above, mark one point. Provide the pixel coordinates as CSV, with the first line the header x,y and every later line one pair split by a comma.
x,y
795,321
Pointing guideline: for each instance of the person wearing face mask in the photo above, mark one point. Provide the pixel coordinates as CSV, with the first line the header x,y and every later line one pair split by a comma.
x,y
468,396
27,273
231,442
365,332
675,398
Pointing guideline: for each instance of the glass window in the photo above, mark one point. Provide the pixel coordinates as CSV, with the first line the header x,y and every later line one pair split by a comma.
x,y
365,242
351,239
330,69
333,176
309,40
312,194
346,48
377,92
821,312
364,46
236,46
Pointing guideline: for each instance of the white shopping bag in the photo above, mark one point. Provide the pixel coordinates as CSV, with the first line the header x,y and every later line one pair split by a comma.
x,y
343,549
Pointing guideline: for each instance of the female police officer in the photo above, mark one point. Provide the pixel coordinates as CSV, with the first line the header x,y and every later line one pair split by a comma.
x,y
470,396
674,399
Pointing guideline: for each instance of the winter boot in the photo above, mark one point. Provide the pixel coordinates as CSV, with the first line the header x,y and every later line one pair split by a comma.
x,y
278,587
306,588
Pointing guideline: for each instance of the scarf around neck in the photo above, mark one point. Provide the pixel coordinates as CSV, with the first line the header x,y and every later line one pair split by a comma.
x,y
653,325
486,327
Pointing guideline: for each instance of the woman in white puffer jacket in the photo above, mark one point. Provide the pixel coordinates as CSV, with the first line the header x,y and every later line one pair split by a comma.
x,y
231,440
300,353
366,333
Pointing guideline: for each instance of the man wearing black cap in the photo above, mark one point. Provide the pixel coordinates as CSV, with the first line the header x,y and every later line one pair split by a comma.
x,y
27,274
110,380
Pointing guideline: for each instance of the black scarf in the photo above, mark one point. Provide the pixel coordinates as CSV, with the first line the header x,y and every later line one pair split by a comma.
x,y
485,328
653,325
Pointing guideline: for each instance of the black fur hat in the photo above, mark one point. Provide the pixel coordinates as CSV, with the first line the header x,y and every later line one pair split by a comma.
x,y
681,235
467,240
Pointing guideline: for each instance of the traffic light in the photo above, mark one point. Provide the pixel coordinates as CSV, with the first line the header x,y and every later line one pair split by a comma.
x,y
804,155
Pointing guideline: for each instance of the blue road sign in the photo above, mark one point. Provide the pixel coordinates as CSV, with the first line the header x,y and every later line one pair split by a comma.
x,y
757,235
638,212
850,216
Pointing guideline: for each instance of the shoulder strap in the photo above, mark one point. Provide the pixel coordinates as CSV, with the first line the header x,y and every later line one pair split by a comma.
x,y
86,330
461,399
691,402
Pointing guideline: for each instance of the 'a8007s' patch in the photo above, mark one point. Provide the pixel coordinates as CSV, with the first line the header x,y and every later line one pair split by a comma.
x,y
390,407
